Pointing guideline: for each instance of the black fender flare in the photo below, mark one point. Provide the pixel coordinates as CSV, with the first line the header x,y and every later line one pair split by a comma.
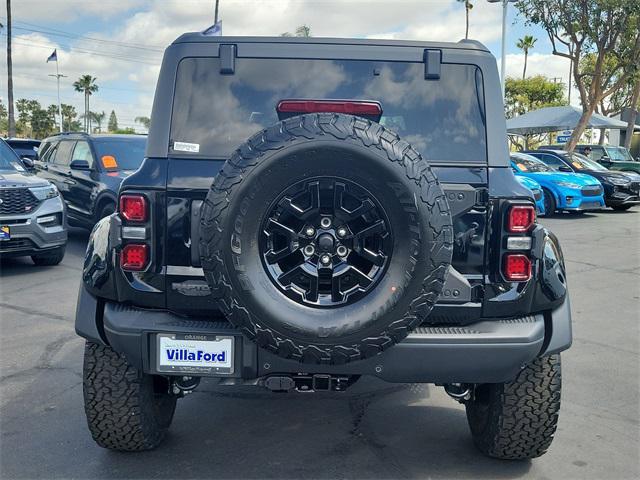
x,y
98,271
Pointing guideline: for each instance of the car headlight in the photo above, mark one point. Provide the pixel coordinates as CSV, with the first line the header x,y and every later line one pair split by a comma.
x,y
567,184
43,193
622,182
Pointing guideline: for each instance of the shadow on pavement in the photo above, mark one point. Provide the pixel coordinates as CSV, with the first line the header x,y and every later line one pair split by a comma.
x,y
376,430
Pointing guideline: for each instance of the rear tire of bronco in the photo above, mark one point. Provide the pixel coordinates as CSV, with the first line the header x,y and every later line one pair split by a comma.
x,y
517,420
126,409
53,257
326,238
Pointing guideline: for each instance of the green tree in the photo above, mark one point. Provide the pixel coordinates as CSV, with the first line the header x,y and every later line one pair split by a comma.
x,y
467,8
579,27
4,120
621,97
634,105
525,44
98,118
69,115
523,95
113,122
42,122
26,108
86,84
126,131
301,31
144,121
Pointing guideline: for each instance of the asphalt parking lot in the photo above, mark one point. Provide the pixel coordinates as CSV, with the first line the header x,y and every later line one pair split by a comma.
x,y
375,430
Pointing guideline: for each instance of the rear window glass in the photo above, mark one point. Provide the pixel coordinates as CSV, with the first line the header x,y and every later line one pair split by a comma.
x,y
127,152
443,119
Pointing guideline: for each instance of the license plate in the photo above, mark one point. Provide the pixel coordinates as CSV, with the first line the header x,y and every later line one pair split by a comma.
x,y
5,232
198,354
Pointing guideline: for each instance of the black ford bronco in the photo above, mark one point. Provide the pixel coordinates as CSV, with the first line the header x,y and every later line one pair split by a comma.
x,y
313,210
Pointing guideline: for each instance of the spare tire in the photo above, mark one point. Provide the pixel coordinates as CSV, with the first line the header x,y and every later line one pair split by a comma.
x,y
326,238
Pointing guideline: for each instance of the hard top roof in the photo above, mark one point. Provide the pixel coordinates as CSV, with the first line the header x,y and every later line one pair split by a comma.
x,y
199,37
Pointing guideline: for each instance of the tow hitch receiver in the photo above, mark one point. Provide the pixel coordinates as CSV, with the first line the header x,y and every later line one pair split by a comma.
x,y
308,383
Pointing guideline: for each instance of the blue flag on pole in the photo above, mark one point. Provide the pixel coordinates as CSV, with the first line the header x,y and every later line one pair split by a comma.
x,y
53,57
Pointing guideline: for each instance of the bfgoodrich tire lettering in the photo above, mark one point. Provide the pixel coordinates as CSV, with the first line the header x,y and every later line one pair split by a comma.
x,y
320,146
517,420
126,409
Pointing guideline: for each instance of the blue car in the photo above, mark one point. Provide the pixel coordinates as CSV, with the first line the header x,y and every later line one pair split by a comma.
x,y
574,192
536,190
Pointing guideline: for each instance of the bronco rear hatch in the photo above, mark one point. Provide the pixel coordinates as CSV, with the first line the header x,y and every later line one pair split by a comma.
x,y
229,92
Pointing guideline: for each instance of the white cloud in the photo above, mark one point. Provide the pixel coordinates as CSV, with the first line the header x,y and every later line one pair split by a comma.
x,y
70,10
156,24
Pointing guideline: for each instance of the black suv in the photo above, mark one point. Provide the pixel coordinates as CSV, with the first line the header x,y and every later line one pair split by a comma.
x,y
313,210
25,147
88,170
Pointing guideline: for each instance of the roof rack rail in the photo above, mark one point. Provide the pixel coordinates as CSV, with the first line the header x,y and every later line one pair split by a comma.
x,y
73,133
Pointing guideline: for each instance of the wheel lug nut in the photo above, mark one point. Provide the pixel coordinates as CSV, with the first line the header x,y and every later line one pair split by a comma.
x,y
342,232
325,259
309,231
325,222
309,250
342,251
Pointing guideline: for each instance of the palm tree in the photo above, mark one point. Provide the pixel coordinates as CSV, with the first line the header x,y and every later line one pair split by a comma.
x,y
11,126
525,44
467,7
86,84
98,118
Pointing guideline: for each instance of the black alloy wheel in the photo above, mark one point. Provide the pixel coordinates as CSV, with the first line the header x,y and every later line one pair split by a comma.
x,y
326,242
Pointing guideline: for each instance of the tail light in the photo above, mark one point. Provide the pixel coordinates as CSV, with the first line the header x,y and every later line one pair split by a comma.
x,y
521,218
516,267
134,257
288,108
133,208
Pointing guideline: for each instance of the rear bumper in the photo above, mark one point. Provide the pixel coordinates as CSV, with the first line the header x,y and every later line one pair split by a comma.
x,y
488,351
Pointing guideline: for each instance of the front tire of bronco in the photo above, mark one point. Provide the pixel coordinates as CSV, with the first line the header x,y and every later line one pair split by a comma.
x,y
126,409
517,420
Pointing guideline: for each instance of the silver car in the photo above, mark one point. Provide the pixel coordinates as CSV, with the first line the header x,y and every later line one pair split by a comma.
x,y
32,214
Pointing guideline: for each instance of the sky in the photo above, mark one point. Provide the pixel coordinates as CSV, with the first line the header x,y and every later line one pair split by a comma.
x,y
120,42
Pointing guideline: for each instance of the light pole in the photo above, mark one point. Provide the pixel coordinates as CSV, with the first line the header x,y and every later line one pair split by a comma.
x,y
505,3
58,76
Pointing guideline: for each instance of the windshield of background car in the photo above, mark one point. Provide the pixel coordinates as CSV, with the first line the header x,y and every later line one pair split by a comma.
x,y
529,164
443,119
580,162
128,152
7,157
619,153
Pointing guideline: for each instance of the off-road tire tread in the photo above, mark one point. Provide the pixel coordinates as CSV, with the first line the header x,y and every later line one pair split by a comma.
x,y
248,156
523,414
122,411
